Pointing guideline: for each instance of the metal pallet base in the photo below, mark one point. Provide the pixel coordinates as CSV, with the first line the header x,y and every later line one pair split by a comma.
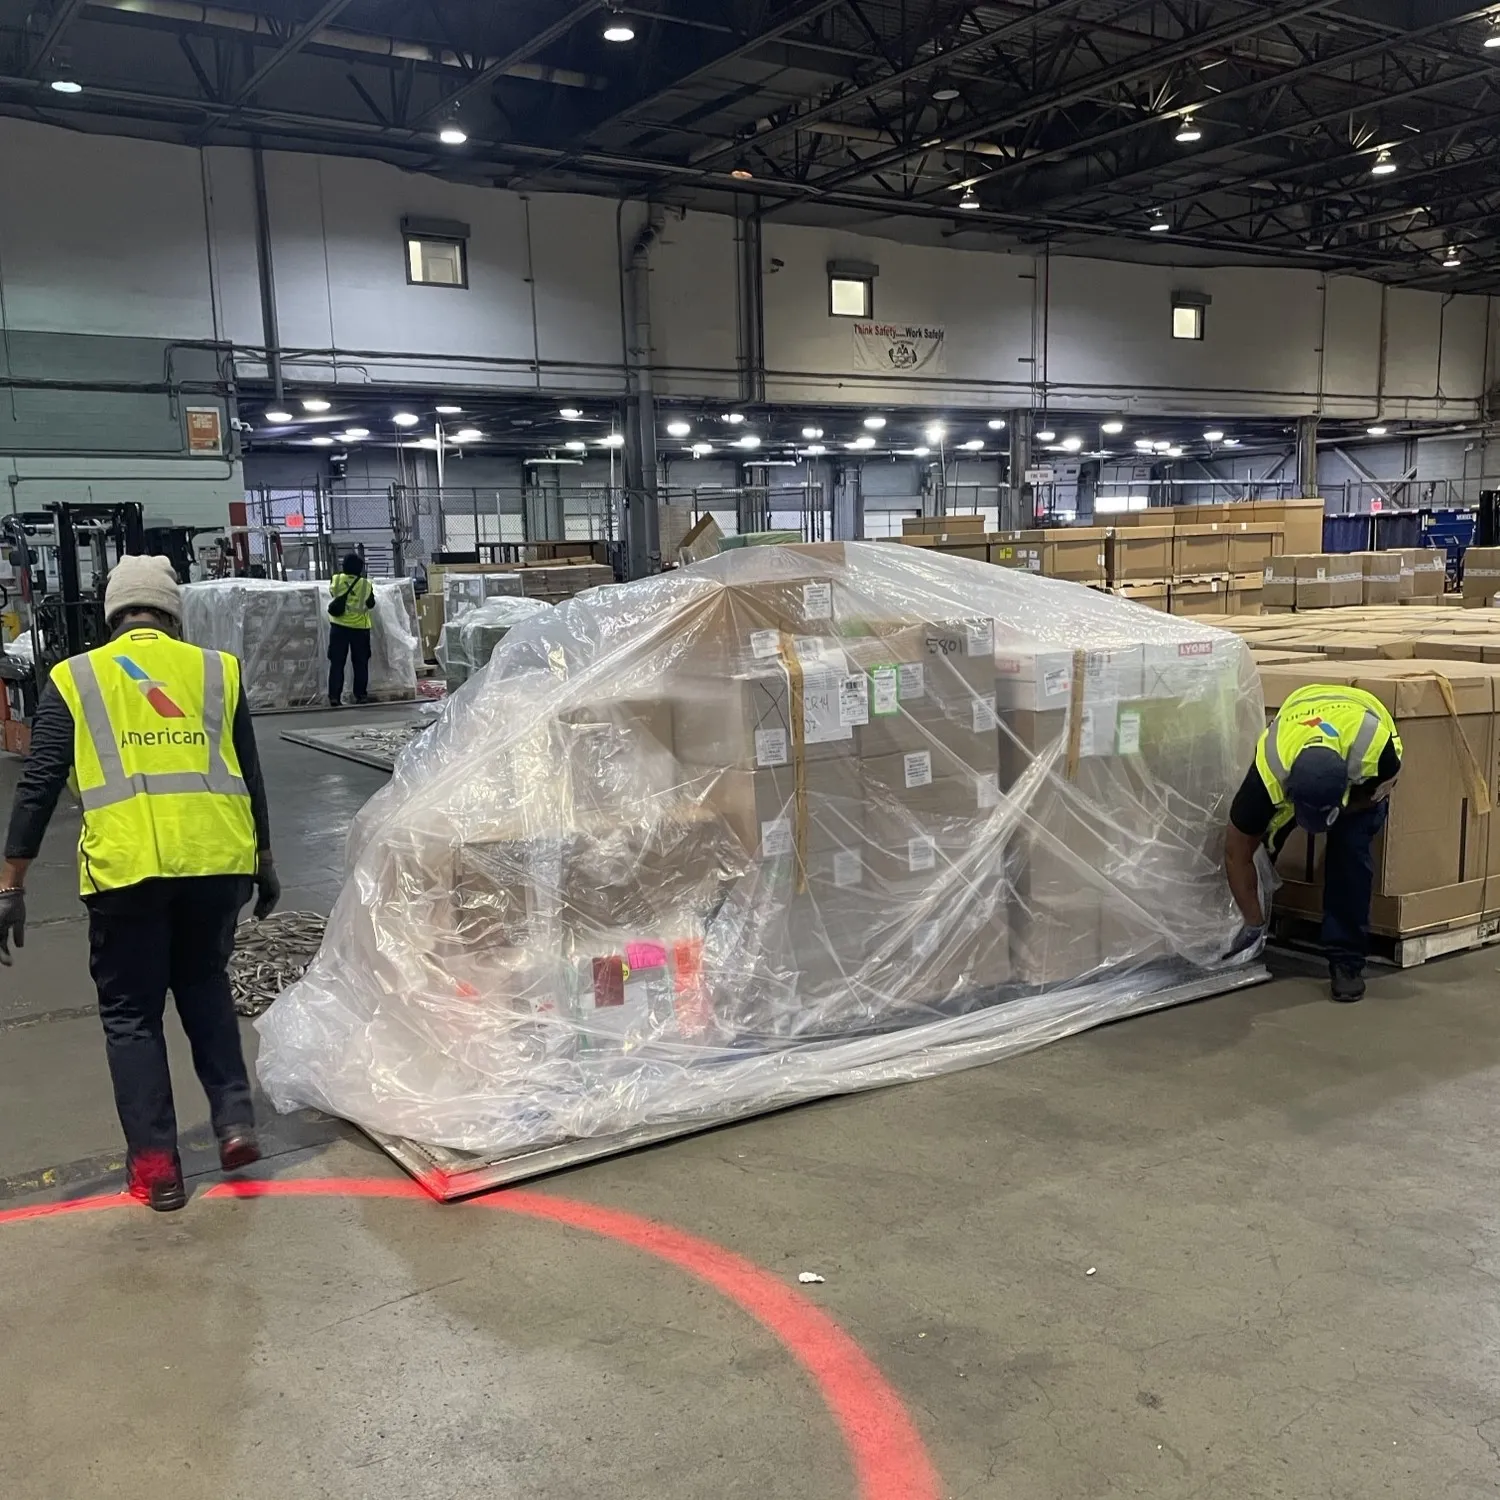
x,y
449,1175
336,742
1300,935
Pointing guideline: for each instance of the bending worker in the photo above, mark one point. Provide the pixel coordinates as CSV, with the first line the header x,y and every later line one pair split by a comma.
x,y
1325,764
349,609
157,738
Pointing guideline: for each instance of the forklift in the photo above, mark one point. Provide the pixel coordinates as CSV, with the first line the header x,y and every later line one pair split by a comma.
x,y
61,557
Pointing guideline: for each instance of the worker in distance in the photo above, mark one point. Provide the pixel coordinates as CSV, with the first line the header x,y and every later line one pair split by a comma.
x,y
1325,764
156,737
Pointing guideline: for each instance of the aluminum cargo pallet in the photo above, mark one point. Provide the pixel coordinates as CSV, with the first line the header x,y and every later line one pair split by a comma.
x,y
341,741
449,1175
1299,935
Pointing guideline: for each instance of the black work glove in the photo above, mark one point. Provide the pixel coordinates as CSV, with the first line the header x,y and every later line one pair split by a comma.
x,y
267,890
1248,940
12,922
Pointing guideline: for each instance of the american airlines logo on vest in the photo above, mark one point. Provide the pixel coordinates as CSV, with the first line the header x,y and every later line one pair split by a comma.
x,y
153,692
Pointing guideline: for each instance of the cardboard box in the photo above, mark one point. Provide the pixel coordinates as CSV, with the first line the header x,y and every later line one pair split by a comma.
x,y
1196,600
1250,543
1328,580
1073,552
1039,678
1015,555
1279,589
766,813
978,551
1139,552
746,720
942,525
1245,590
1200,552
1481,576
1385,581
1301,520
1151,595
1429,571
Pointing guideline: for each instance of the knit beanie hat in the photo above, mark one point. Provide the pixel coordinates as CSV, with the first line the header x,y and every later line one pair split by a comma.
x,y
142,583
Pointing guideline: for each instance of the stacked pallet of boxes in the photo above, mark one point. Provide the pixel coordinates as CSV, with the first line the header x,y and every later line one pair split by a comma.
x,y
553,582
466,643
279,632
1296,582
788,822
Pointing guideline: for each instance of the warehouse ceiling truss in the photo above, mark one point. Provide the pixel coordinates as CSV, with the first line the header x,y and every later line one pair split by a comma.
x,y
1347,135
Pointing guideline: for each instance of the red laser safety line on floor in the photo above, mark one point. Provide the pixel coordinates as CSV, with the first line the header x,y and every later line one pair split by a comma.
x,y
890,1461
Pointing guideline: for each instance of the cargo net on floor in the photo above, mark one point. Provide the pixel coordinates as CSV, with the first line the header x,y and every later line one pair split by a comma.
x,y
280,633
789,822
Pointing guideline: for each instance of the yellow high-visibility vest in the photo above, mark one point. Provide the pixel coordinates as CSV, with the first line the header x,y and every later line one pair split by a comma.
x,y
154,762
361,601
1348,720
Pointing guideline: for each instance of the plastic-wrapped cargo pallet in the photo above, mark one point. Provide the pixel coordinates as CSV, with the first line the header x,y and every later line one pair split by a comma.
x,y
466,644
789,822
279,632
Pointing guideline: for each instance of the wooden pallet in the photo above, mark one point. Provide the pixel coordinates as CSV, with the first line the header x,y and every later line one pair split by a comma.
x,y
1404,951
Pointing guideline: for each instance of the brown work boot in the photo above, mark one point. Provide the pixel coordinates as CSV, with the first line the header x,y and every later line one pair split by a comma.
x,y
239,1149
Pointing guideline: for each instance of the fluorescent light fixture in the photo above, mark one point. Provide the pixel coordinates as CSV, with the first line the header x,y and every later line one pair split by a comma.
x,y
921,452
874,423
355,433
322,441
453,135
569,413
741,173
1144,444
576,445
614,440
427,442
944,88
935,432
1046,435
1377,431
701,450
1160,446
970,199
1174,452
467,435
1113,427
973,445
815,450
1492,40
1213,435
68,86
1231,442
1384,166
734,418
1072,444
278,418
812,432
314,403
1158,224
1452,261
448,411
617,28
1188,131
679,428
863,441
551,458
402,418
751,441
996,424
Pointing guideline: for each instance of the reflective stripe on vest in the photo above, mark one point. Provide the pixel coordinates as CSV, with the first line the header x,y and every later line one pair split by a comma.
x,y
118,787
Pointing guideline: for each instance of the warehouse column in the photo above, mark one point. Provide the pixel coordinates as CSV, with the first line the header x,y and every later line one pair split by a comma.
x,y
542,512
640,520
1018,509
1307,457
848,501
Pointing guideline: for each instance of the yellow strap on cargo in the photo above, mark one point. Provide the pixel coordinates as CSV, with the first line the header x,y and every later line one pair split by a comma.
x,y
796,712
1479,791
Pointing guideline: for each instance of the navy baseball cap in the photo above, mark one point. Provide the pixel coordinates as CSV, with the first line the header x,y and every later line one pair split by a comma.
x,y
1316,785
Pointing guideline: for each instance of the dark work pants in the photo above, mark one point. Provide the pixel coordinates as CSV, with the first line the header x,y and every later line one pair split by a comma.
x,y
143,941
1349,883
344,641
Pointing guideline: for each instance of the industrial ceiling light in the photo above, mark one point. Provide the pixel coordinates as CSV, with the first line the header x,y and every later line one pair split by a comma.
x,y
1376,431
740,172
1144,445
1072,444
402,418
812,432
355,433
1187,130
1046,435
65,86
569,413
576,445
935,432
453,134
1492,40
1113,427
996,424
314,403
679,428
970,199
1213,435
448,411
920,452
1231,442
278,418
751,441
1160,446
973,445
1174,452
617,28
815,450
614,440
944,89
322,441
1158,224
702,450
1452,261
1384,166
467,435
874,423
734,418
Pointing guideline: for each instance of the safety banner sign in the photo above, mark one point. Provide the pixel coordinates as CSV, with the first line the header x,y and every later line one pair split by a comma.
x,y
899,348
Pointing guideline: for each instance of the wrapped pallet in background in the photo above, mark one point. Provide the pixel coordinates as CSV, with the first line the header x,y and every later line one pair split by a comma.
x,y
466,644
791,821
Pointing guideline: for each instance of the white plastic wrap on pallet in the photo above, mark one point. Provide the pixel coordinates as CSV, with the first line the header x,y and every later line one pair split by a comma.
x,y
279,631
788,822
466,643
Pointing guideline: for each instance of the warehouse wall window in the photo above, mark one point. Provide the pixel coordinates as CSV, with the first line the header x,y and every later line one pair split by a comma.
x,y
436,262
1187,314
851,296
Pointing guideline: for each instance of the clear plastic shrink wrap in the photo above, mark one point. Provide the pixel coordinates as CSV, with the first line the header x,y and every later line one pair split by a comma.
x,y
789,822
466,643
279,632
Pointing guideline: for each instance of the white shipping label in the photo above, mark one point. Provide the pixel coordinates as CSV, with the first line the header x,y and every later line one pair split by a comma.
x,y
1322,573
854,701
820,708
921,853
981,634
917,767
985,717
925,939
987,792
770,747
816,650
1086,731
913,680
1269,572
1056,682
885,686
848,868
1128,733
764,643
776,837
817,601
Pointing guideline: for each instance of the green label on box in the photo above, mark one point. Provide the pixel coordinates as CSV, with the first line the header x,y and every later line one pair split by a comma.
x,y
885,691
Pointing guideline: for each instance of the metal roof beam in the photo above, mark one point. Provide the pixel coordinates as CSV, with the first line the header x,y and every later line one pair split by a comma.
x,y
64,13
325,13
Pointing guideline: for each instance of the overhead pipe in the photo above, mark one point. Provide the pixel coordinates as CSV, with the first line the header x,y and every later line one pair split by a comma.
x,y
266,273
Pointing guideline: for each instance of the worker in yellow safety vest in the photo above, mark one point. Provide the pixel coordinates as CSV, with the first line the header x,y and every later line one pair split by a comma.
x,y
1325,764
156,738
351,600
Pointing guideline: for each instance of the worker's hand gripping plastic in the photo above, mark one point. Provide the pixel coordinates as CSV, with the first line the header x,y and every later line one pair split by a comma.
x,y
12,922
790,821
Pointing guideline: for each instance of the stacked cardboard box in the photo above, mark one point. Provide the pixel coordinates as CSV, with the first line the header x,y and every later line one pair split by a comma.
x,y
1334,580
1481,577
554,582
1072,552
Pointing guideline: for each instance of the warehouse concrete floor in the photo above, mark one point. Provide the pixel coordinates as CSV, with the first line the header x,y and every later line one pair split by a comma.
x,y
1240,1249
